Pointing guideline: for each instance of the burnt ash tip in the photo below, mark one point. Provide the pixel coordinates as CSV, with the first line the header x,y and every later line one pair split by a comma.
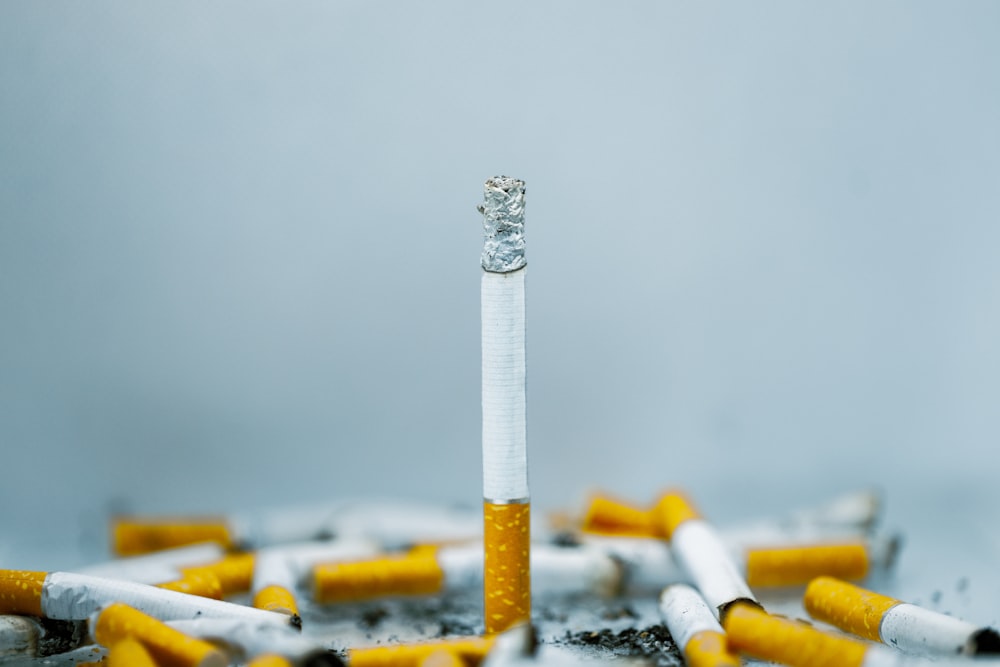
x,y
985,642
324,659
296,622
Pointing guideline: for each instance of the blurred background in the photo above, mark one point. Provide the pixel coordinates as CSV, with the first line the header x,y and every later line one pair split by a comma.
x,y
239,256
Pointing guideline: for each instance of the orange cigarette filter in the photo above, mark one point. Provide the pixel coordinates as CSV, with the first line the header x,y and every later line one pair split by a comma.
x,y
443,658
21,592
673,509
847,607
709,649
128,652
609,516
470,650
752,631
234,572
132,537
269,660
276,598
169,647
414,573
506,565
203,583
797,566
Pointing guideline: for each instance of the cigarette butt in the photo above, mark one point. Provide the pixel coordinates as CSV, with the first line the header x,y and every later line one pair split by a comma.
x,y
673,509
276,598
609,516
506,565
407,574
693,626
168,647
129,652
905,626
701,554
234,572
244,639
794,566
203,583
270,660
21,592
470,650
132,537
752,631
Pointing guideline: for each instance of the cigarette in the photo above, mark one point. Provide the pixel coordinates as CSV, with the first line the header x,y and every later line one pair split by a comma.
x,y
908,627
168,647
204,583
471,651
69,596
280,570
391,523
752,631
245,640
846,515
506,504
556,571
700,553
156,567
694,628
28,637
129,652
648,564
234,572
443,658
270,660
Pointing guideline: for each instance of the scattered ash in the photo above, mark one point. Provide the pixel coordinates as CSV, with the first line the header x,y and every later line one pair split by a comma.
x,y
653,643
370,618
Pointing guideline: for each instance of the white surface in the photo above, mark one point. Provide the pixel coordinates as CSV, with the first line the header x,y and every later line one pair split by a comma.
x,y
505,455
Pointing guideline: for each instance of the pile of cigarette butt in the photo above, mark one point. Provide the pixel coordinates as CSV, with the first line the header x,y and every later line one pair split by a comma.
x,y
400,583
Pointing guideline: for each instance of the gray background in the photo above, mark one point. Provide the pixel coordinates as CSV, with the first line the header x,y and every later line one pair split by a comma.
x,y
239,256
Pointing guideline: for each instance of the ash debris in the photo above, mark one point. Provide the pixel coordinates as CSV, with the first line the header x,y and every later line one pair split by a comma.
x,y
652,643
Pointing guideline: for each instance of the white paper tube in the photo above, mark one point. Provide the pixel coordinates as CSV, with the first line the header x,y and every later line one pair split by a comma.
x,y
505,464
924,632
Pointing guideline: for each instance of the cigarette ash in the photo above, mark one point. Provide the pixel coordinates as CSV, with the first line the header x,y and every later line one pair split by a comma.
x,y
652,643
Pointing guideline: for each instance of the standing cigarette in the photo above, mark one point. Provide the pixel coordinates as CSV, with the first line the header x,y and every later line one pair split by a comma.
x,y
506,508
694,628
700,552
884,619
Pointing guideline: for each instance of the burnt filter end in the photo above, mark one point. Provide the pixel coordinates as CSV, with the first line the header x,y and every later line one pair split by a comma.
x,y
985,642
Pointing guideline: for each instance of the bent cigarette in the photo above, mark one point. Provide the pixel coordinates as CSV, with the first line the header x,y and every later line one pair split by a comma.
x,y
694,628
69,596
700,553
169,648
908,627
556,571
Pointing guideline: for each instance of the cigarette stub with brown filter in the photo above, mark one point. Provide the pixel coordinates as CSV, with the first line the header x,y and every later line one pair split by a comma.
x,y
555,570
907,627
169,647
70,596
694,628
700,552
506,508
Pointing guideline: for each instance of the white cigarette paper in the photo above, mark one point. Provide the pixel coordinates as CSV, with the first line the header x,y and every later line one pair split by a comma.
x,y
699,551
